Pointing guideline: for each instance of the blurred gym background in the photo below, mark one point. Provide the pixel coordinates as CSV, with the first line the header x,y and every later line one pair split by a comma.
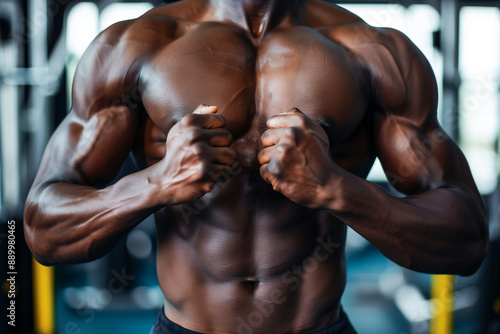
x,y
41,42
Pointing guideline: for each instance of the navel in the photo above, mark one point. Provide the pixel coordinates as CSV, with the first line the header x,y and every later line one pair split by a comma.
x,y
251,283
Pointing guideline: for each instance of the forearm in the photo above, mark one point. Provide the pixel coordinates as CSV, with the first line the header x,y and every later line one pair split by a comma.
x,y
68,222
442,230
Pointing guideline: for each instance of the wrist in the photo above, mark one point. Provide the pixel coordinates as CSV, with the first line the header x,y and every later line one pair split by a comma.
x,y
159,193
331,194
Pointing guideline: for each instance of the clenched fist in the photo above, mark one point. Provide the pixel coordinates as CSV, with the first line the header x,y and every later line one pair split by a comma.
x,y
296,158
197,148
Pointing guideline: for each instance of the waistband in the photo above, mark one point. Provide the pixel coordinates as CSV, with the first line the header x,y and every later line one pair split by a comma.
x,y
164,325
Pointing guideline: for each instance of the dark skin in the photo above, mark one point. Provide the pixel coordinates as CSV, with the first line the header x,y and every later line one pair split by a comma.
x,y
254,125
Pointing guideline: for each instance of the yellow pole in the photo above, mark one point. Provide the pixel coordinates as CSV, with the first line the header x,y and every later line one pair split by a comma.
x,y
43,299
442,301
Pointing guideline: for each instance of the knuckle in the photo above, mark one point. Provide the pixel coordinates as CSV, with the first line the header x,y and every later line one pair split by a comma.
x,y
228,135
283,149
188,120
192,135
264,137
275,167
220,120
223,138
293,132
197,150
276,186
201,170
207,187
229,157
303,121
233,155
290,132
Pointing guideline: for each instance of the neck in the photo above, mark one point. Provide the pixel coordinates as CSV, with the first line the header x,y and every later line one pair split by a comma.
x,y
258,16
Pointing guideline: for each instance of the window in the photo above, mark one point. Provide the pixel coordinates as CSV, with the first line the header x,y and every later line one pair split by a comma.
x,y
479,105
81,32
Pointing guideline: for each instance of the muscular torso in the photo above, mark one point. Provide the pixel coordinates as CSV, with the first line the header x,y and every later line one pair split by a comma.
x,y
246,257
244,253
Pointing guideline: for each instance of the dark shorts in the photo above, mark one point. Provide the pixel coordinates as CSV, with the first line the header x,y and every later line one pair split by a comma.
x,y
164,326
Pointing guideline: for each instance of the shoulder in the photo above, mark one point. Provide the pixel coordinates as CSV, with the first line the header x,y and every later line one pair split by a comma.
x,y
131,41
396,66
130,38
100,72
400,73
352,32
112,63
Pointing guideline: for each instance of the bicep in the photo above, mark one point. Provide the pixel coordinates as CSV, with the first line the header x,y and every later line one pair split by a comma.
x,y
94,139
418,158
415,152
89,151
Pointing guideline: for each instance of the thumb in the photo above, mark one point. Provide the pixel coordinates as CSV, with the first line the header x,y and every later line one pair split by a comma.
x,y
204,109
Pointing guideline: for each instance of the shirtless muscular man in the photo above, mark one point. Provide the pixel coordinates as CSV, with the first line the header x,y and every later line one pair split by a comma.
x,y
256,124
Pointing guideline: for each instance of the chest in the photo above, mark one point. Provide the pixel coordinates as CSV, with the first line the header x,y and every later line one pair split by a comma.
x,y
216,64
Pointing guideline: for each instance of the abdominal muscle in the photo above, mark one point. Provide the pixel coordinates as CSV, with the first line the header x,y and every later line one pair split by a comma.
x,y
248,260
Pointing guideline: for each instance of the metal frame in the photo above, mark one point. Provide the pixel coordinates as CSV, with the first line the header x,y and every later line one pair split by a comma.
x,y
450,18
9,126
